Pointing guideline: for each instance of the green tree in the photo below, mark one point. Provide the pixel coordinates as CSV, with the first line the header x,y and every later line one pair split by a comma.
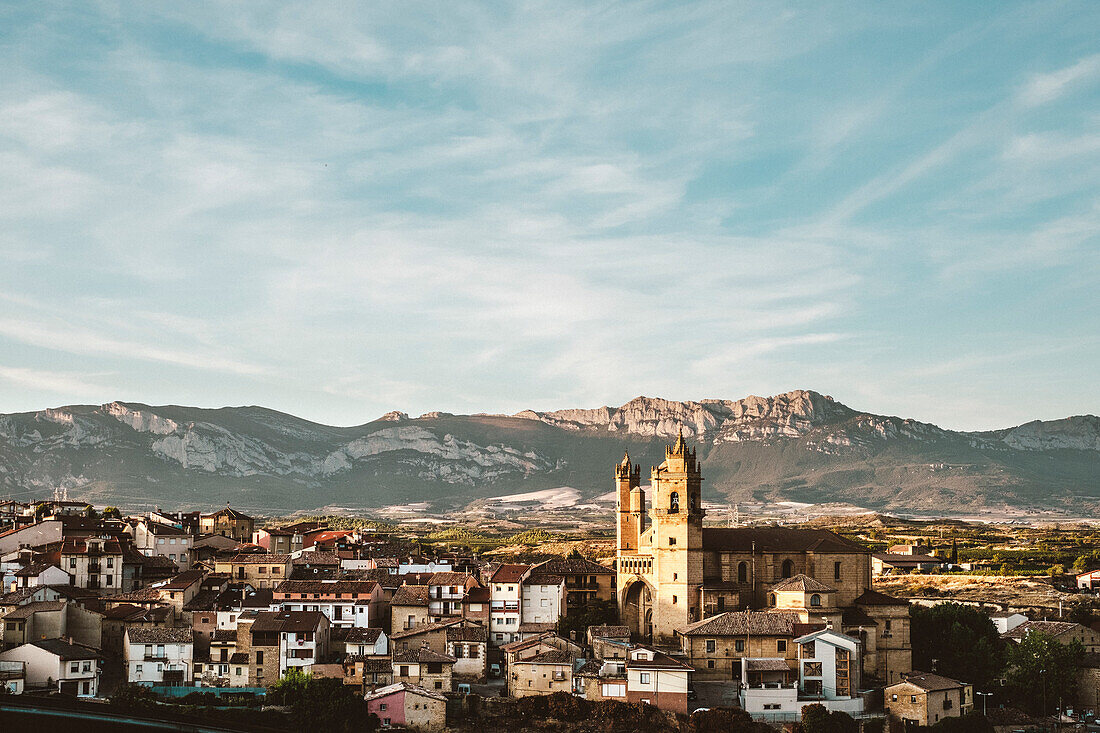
x,y
90,512
322,703
132,698
1082,613
594,613
816,718
112,512
961,639
1042,672
1056,570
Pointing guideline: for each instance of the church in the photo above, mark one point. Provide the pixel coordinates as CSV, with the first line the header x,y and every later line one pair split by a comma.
x,y
672,573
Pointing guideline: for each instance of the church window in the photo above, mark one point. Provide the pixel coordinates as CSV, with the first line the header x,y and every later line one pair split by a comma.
x,y
788,568
771,600
674,503
815,600
836,571
742,572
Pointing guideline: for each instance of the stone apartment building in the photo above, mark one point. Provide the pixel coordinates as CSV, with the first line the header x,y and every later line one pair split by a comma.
x,y
260,570
228,523
163,540
924,699
424,668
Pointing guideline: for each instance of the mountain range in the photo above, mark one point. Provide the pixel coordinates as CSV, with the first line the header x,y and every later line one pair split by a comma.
x,y
799,446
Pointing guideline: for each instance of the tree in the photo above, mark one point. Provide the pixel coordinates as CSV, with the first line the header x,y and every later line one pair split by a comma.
x,y
1082,613
322,703
726,720
89,512
1042,672
112,512
954,552
594,613
133,698
961,639
1056,570
816,718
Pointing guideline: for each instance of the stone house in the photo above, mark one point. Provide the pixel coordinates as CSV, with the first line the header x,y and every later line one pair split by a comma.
x,y
403,705
924,699
424,668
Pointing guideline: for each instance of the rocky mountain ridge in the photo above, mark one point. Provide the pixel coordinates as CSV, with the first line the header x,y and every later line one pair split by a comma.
x,y
800,446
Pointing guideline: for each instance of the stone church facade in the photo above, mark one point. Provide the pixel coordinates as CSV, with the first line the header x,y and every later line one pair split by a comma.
x,y
673,573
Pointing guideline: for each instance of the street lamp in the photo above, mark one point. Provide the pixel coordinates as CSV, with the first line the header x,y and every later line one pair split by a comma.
x,y
985,699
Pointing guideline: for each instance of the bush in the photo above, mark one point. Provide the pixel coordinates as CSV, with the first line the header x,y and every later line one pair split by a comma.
x,y
132,698
725,720
973,722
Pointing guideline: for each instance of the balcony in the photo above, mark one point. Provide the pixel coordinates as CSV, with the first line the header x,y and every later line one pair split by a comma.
x,y
154,656
93,566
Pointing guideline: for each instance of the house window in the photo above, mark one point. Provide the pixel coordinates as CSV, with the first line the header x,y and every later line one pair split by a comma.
x,y
87,666
110,562
815,600
259,657
739,645
74,667
72,562
137,668
771,600
403,671
439,684
710,664
238,671
893,698
645,678
671,541
781,646
712,646
912,698
382,706
110,580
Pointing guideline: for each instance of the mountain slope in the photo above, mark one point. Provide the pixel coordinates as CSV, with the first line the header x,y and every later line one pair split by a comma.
x,y
799,446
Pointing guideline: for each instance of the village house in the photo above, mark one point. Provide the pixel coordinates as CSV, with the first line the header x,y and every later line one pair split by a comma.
x,y
608,642
469,645
924,699
715,646
1063,632
13,677
409,608
423,667
446,593
356,603
542,674
93,562
506,594
159,656
260,570
42,573
827,671
404,705
431,635
585,581
228,523
119,618
278,540
516,653
1089,580
52,620
657,679
286,639
542,602
163,540
56,664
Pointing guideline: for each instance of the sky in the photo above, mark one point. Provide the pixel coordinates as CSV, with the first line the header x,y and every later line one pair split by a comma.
x,y
341,209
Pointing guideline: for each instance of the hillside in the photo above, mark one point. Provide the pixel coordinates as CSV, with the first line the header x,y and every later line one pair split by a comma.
x,y
799,446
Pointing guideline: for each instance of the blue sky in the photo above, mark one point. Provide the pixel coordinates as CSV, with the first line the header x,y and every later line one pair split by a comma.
x,y
341,209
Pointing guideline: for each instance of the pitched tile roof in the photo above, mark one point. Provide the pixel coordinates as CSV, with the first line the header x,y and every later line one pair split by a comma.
x,y
287,621
403,687
660,660
467,633
129,612
448,578
609,632
509,573
410,595
777,539
553,656
802,583
573,566
228,513
930,682
536,628
422,656
160,635
259,558
358,635
34,570
1050,628
426,628
739,623
67,650
32,608
326,587
184,580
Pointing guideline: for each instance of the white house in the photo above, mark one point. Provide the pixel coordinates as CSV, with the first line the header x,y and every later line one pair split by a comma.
x,y
56,664
1006,621
1089,580
657,679
542,602
159,655
41,574
505,593
827,673
165,540
366,642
